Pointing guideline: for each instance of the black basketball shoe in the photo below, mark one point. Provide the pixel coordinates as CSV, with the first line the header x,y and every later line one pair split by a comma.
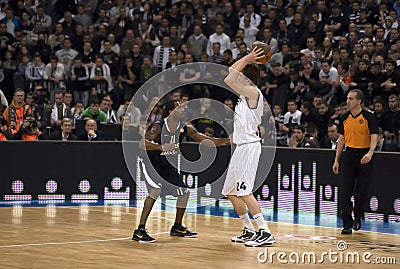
x,y
247,235
263,238
182,231
348,227
357,224
142,236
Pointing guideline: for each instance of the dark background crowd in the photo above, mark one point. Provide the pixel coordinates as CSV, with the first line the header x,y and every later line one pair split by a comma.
x,y
70,68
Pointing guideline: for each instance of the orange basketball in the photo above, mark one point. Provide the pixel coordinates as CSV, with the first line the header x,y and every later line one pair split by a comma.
x,y
267,51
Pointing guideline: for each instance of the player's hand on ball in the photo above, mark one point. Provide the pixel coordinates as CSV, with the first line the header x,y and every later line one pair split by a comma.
x,y
256,55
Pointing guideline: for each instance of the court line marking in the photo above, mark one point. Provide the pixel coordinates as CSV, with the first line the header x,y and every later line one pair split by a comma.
x,y
72,242
77,207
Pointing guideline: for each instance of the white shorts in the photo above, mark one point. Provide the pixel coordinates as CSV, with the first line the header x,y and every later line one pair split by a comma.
x,y
242,170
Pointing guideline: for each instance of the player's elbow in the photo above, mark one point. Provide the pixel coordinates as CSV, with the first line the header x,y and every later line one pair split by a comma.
x,y
228,80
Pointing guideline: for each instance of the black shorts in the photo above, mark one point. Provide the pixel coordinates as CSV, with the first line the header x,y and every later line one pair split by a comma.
x,y
159,173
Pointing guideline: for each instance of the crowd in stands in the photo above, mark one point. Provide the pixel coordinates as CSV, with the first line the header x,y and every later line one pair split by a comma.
x,y
70,68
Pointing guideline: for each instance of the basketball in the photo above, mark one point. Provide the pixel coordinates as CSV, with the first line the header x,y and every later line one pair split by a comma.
x,y
267,51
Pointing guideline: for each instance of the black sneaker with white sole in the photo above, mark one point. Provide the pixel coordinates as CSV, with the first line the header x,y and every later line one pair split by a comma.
x,y
263,238
182,231
247,235
142,236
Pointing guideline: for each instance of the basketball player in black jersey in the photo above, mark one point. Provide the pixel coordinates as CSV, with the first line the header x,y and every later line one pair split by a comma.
x,y
161,146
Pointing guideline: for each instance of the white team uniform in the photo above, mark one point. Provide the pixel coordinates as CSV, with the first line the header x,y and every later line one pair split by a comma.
x,y
244,162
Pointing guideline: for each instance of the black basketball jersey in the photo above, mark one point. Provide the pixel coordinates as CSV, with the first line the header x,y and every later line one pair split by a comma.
x,y
172,136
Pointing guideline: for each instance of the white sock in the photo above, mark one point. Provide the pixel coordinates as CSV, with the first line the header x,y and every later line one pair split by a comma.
x,y
247,222
261,222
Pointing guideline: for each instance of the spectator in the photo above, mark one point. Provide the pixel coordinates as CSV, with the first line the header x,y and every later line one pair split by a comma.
x,y
66,56
173,60
255,19
68,99
190,73
242,50
147,69
34,72
218,36
333,136
388,117
271,41
291,118
216,56
162,54
230,17
16,112
42,48
54,75
33,35
297,87
324,114
307,114
26,24
133,114
250,32
280,134
154,110
11,21
310,47
30,130
93,112
328,77
197,43
209,131
69,24
82,18
43,18
389,81
56,111
65,134
112,60
204,115
91,133
149,37
335,23
277,86
77,111
298,138
80,81
105,106
296,29
5,133
100,77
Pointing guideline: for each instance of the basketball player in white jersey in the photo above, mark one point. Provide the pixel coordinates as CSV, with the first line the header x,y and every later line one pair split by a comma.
x,y
243,77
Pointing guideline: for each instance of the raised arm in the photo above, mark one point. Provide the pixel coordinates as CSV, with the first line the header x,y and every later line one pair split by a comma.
x,y
237,81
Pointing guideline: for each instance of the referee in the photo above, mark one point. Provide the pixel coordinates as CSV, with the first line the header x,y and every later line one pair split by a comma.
x,y
358,130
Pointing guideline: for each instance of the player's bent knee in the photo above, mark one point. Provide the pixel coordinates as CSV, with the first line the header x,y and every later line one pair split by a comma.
x,y
155,193
183,199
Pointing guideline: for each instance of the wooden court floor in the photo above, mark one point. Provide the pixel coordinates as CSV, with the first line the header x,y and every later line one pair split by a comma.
x,y
100,237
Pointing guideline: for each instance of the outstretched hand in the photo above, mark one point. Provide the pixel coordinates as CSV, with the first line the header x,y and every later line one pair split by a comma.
x,y
256,55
